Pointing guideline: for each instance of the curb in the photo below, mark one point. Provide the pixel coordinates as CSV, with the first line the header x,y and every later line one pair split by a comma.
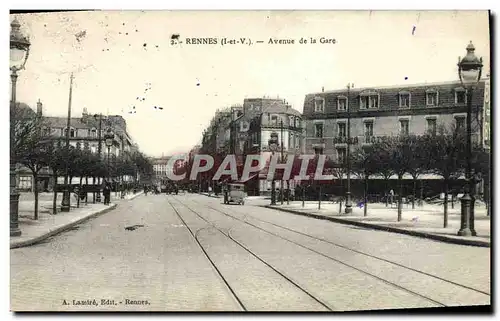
x,y
134,196
60,229
431,236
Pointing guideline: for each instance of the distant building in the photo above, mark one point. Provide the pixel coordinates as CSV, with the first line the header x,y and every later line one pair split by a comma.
x,y
83,131
246,129
389,111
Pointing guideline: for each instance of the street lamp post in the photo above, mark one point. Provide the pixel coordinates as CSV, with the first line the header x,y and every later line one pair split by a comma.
x,y
109,137
348,204
19,52
469,72
273,144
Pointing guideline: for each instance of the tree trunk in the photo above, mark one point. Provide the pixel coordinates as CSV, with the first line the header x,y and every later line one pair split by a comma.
x,y
35,191
319,199
365,205
422,192
414,192
93,193
86,194
387,192
79,191
54,200
400,197
445,204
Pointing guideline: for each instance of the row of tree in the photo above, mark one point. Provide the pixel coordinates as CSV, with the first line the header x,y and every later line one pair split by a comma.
x,y
443,153
36,149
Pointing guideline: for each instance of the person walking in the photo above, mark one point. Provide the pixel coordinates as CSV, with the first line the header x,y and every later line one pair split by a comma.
x,y
107,193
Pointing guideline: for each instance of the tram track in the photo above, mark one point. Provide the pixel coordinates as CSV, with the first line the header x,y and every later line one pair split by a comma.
x,y
348,249
230,237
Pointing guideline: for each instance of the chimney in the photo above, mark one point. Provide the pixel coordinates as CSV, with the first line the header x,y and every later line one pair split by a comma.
x,y
39,108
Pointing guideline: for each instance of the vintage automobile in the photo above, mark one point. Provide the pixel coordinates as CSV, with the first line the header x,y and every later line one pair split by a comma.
x,y
235,193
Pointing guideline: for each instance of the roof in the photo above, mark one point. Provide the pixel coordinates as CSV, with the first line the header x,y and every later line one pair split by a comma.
x,y
402,86
63,121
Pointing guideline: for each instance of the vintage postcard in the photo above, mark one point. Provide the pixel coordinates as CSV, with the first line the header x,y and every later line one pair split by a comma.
x,y
252,161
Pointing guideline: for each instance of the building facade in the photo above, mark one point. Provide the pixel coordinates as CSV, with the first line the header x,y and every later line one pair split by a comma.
x,y
246,130
390,111
83,132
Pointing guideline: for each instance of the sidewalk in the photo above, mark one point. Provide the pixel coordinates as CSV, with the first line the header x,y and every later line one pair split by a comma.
x,y
47,225
425,221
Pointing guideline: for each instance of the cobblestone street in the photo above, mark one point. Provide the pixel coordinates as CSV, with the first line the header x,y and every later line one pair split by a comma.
x,y
192,253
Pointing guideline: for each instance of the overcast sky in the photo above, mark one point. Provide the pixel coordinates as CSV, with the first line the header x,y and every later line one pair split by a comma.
x,y
117,55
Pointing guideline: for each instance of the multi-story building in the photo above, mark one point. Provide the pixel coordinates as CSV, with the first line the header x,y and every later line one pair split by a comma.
x,y
83,131
389,111
249,130
160,168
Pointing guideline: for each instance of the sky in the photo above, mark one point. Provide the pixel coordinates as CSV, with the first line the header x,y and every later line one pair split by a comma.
x,y
125,59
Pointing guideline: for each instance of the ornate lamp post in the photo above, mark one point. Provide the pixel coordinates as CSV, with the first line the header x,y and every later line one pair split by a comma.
x,y
273,145
469,72
19,52
109,137
348,203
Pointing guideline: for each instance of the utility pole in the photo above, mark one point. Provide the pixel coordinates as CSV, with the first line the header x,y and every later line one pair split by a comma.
x,y
66,201
348,204
282,158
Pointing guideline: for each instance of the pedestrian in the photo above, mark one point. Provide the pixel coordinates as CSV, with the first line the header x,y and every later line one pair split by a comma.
x,y
391,195
107,193
145,190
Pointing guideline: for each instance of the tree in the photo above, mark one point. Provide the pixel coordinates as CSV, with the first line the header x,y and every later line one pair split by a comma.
x,y
31,144
57,165
397,152
446,152
365,165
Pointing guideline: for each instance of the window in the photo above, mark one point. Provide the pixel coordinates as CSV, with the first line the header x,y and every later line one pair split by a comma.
x,y
404,100
431,126
274,120
460,97
342,129
319,105
297,122
368,129
290,140
369,101
24,182
93,132
460,122
432,98
318,130
342,103
318,150
404,126
341,155
291,119
297,142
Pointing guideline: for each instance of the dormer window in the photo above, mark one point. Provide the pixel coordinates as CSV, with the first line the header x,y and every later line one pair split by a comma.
x,y
319,104
297,122
369,100
404,99
292,121
432,97
341,103
460,96
274,119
